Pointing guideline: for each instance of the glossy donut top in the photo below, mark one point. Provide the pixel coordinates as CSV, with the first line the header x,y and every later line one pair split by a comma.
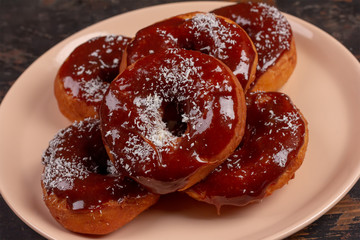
x,y
274,135
199,90
267,27
89,69
202,32
78,169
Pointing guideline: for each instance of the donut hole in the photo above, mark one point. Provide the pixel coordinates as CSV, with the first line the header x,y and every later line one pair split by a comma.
x,y
203,49
172,117
201,43
92,155
102,168
108,75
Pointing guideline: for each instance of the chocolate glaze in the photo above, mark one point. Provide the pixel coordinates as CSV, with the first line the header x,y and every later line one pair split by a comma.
x,y
78,169
89,69
207,97
202,32
266,26
274,135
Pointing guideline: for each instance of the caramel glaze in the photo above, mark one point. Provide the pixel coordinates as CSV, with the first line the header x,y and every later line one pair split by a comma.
x,y
89,69
268,29
78,169
202,32
274,138
208,101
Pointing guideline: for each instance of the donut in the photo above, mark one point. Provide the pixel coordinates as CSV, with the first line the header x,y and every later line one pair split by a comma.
x,y
272,149
272,36
83,78
171,117
204,32
82,189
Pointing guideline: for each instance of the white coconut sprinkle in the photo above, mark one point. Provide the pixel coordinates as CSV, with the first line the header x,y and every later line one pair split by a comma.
x,y
221,35
86,81
179,79
60,171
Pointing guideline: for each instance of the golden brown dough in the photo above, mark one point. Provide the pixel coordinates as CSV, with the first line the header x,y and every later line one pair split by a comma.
x,y
272,149
81,188
197,92
273,38
208,33
85,75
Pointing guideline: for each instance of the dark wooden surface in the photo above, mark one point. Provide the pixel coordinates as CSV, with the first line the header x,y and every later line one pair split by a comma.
x,y
29,28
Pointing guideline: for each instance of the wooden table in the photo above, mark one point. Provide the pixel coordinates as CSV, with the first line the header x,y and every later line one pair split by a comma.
x,y
30,28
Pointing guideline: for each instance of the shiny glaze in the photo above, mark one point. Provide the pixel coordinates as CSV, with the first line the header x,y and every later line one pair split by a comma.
x,y
266,26
202,32
274,135
208,102
89,69
78,169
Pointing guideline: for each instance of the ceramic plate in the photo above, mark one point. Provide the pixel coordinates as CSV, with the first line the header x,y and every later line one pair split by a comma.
x,y
324,86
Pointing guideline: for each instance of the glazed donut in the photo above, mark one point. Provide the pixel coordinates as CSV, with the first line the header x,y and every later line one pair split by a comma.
x,y
85,75
204,32
166,91
273,38
272,149
80,186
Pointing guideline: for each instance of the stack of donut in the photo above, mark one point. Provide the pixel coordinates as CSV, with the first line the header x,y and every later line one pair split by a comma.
x,y
187,104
